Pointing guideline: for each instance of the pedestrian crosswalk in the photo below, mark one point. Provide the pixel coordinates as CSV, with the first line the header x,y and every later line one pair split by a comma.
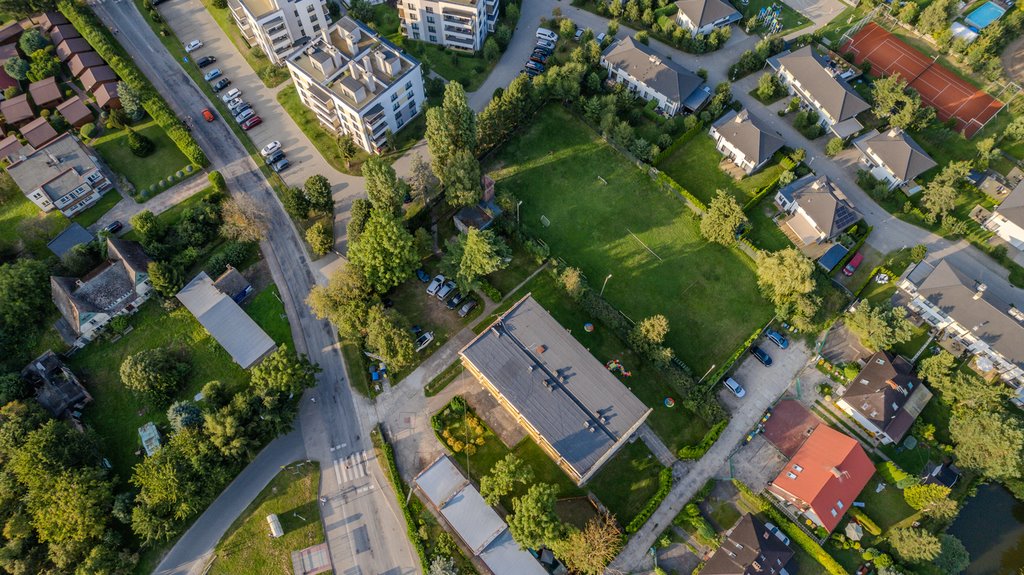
x,y
352,467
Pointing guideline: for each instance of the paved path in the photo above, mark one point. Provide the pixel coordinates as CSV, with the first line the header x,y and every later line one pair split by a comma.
x,y
657,446
128,207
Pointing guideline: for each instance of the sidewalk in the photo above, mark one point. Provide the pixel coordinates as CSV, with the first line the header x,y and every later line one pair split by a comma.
x,y
128,207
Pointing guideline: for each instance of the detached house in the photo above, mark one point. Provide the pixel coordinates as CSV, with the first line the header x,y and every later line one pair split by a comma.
x,y
885,397
61,175
824,478
56,387
894,157
818,81
117,287
819,210
703,16
745,140
749,548
1007,220
652,76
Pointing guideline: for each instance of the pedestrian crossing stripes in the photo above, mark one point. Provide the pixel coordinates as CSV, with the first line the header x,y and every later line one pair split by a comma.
x,y
352,467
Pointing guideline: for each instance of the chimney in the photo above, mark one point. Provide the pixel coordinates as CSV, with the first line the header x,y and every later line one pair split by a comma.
x,y
980,290
368,80
540,349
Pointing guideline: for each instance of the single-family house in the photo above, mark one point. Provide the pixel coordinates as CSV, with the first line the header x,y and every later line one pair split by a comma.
x,y
45,93
97,75
749,548
75,111
10,146
819,210
47,20
7,51
572,406
55,386
651,76
117,287
982,318
62,175
745,140
38,132
1007,219
70,47
894,157
106,96
885,397
62,32
820,83
73,235
233,284
17,111
703,16
243,339
79,63
823,479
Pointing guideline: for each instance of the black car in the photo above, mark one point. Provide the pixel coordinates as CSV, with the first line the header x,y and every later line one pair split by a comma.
x,y
221,84
274,158
468,307
113,227
205,61
456,300
761,355
423,276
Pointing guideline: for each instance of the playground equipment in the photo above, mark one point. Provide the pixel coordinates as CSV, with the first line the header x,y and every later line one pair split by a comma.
x,y
615,366
771,18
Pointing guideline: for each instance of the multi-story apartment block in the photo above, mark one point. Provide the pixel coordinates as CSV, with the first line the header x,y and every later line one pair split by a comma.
x,y
822,85
276,26
456,24
357,83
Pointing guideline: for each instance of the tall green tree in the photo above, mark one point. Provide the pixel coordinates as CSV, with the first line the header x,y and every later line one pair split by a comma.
x,y
989,442
318,193
32,40
723,218
879,327
648,337
388,336
472,255
450,127
284,373
74,509
347,149
504,475
383,187
932,499
24,293
167,278
385,253
954,557
533,522
345,301
914,545
16,68
156,373
131,101
462,186
590,551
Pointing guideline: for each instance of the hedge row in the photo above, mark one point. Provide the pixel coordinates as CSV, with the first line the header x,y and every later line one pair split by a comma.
x,y
664,486
682,140
787,164
709,439
793,530
100,39
398,485
665,181
865,521
713,381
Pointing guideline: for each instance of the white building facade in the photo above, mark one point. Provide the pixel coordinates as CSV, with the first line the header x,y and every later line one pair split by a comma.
x,y
277,25
453,24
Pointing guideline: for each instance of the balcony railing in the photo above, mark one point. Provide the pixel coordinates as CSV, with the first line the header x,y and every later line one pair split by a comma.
x,y
458,30
458,19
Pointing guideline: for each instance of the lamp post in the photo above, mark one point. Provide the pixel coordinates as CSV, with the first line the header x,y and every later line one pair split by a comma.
x,y
517,210
706,373
605,283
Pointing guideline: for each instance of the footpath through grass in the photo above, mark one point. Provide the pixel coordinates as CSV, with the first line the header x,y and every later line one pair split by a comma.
x,y
247,546
622,225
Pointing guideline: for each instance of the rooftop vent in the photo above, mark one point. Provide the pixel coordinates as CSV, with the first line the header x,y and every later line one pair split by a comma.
x,y
980,290
540,349
837,473
1016,313
530,367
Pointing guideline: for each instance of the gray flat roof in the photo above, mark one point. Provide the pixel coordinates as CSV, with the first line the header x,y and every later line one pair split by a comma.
x,y
72,236
228,323
558,387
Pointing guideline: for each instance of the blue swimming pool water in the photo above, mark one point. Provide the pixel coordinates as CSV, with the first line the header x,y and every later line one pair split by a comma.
x,y
984,15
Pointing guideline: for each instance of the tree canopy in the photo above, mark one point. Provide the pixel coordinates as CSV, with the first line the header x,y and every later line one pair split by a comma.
x,y
388,336
504,475
473,255
914,545
385,191
345,301
533,522
155,373
723,218
385,252
590,551
879,327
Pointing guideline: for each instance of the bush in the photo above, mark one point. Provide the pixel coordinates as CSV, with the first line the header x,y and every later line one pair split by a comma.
x,y
709,439
140,145
87,130
217,182
866,522
234,254
664,486
320,238
492,292
834,146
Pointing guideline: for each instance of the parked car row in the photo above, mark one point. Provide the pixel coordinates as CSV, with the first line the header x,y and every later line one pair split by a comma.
x,y
760,355
274,156
445,290
542,51
240,110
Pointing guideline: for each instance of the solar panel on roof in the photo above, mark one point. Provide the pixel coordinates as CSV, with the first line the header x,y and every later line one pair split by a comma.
x,y
845,217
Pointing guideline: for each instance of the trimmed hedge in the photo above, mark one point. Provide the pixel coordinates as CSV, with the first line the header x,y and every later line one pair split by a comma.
x,y
666,181
664,486
398,485
217,181
865,521
787,164
100,39
713,381
853,251
709,439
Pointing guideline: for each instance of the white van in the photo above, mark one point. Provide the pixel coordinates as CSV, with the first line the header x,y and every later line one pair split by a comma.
x,y
545,34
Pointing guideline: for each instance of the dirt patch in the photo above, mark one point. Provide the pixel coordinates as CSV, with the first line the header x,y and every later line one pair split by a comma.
x,y
1013,59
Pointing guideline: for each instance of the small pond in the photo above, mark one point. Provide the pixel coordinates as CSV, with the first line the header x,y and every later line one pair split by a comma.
x,y
991,527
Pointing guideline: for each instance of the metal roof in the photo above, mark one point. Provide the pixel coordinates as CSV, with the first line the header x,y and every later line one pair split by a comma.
x,y
72,236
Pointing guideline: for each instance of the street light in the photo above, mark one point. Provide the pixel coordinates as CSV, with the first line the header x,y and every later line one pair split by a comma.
x,y
605,283
706,373
517,210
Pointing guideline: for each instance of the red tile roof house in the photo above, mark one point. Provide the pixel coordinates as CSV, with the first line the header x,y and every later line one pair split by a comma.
x,y
97,75
17,111
106,96
824,477
72,46
45,93
79,63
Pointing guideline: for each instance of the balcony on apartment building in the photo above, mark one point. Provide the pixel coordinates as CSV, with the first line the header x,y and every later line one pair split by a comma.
x,y
375,117
456,19
459,42
491,7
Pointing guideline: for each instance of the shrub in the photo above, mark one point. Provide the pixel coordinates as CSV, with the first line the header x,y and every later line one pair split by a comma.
x,y
320,238
87,130
866,522
492,292
664,486
234,254
217,182
140,145
709,439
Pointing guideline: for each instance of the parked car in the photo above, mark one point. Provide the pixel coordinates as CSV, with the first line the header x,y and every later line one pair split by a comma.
x,y
221,84
467,307
113,227
578,34
550,46
424,340
853,264
244,115
539,55
234,103
544,47
600,38
281,165
535,66
734,386
270,148
446,289
207,115
545,34
776,338
193,46
252,123
456,300
274,157
538,60
529,72
761,355
435,284
205,61
240,107
231,94
212,74
777,532
422,275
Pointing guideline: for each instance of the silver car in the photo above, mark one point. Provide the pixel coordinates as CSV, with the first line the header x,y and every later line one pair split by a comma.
x,y
245,115
435,284
446,290
735,387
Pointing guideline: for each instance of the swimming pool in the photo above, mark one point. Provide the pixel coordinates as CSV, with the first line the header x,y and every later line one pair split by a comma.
x,y
985,14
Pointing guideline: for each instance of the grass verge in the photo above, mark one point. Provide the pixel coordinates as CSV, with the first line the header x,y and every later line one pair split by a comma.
x,y
143,173
441,380
92,215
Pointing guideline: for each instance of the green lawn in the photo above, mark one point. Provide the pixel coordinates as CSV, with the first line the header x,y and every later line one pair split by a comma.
x,y
468,69
161,164
695,167
520,268
91,215
833,31
172,214
765,233
292,495
886,508
723,513
267,310
791,19
708,292
15,208
386,22
627,481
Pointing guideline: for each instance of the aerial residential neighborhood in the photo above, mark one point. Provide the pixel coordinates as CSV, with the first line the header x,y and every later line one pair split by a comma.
x,y
508,287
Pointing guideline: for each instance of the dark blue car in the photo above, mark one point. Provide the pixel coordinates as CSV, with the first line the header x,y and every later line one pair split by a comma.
x,y
776,338
761,355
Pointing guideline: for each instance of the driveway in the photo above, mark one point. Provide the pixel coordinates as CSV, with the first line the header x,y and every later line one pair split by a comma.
x,y
128,207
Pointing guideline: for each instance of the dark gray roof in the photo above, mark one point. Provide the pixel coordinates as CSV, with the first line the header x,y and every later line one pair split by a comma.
x,y
900,153
131,254
835,95
558,387
231,282
747,544
823,202
72,236
888,394
704,12
1012,207
56,387
652,68
988,316
747,133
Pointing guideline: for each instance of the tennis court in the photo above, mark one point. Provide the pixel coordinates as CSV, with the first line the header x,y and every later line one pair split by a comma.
x,y
950,95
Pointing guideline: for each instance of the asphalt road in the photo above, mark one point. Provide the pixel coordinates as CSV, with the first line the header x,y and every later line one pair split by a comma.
x,y
361,517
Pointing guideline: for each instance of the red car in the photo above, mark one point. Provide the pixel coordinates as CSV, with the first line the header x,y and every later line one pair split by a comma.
x,y
854,263
252,122
207,115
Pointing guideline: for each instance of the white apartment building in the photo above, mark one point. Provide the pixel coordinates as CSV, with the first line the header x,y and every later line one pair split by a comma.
x,y
455,24
276,26
358,83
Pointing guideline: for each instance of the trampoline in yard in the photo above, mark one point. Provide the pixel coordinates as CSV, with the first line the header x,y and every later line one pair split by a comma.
x,y
984,15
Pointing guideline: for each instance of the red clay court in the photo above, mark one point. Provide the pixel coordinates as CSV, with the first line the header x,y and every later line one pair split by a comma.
x,y
950,95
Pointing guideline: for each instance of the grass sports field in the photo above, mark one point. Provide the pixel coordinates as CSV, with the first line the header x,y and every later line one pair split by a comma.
x,y
606,217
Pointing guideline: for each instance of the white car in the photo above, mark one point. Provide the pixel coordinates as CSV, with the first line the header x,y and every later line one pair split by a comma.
x,y
193,46
231,95
234,103
545,34
446,290
735,387
778,533
270,148
435,284
424,340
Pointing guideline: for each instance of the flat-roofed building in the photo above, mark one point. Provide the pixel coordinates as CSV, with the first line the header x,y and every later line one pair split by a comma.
x,y
358,83
575,409
62,175
456,24
278,26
